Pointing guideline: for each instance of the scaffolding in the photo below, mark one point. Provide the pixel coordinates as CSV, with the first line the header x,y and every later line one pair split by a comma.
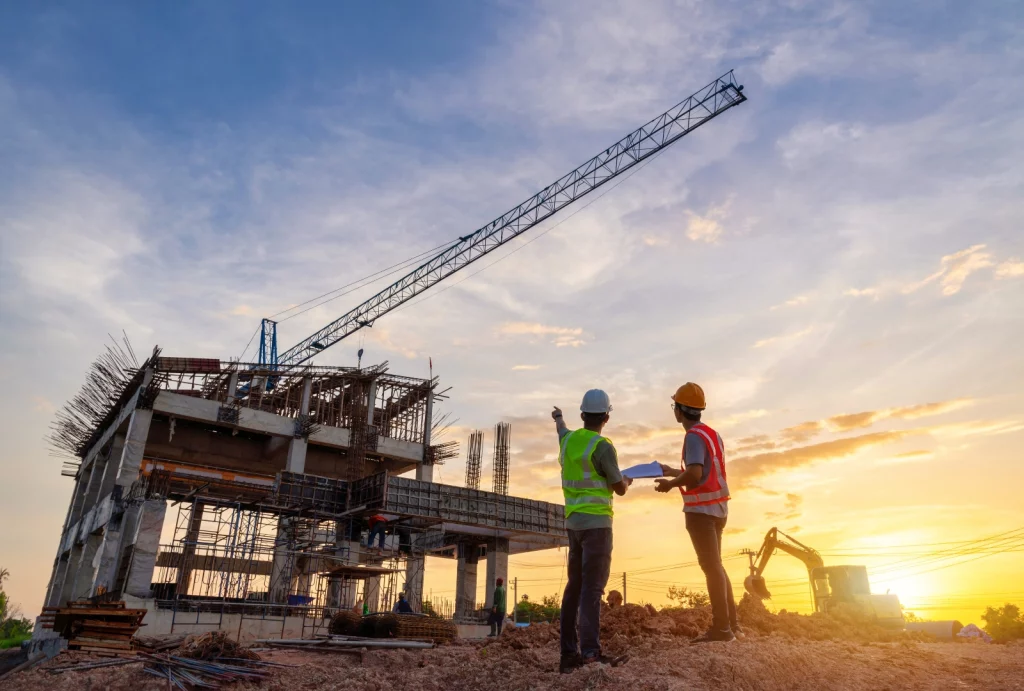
x,y
476,442
502,436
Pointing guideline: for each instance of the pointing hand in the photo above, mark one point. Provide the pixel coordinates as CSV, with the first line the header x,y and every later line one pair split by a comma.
x,y
556,413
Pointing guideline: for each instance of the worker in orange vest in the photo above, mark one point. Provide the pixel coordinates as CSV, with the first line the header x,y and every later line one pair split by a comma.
x,y
701,478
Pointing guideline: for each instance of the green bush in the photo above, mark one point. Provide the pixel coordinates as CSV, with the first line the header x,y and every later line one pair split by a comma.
x,y
1004,624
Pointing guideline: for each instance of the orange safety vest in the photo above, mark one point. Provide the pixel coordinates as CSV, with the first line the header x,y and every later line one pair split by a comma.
x,y
714,490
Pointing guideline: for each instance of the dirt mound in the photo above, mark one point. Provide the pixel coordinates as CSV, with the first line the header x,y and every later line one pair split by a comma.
x,y
841,624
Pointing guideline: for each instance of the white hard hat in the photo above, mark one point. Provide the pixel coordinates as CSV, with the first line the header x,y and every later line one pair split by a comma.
x,y
596,401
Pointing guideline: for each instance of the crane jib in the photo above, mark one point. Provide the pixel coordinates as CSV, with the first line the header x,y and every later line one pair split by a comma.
x,y
634,148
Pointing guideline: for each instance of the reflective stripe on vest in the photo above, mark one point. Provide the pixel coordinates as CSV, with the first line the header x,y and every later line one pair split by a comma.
x,y
585,491
715,489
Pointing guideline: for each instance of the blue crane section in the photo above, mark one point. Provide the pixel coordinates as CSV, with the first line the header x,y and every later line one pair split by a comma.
x,y
636,147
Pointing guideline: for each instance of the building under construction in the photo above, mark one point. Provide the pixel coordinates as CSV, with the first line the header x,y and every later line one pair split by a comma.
x,y
274,468
270,476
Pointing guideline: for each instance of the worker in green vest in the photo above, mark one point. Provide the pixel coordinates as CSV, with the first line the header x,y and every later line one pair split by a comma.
x,y
590,474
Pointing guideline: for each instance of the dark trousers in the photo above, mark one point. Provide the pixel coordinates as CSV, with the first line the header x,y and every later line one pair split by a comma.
x,y
378,529
496,620
706,535
590,559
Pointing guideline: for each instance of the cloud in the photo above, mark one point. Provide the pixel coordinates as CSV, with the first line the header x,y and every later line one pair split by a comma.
x,y
954,270
563,336
797,434
1011,268
707,228
791,508
784,338
523,368
757,442
798,300
863,292
915,456
747,468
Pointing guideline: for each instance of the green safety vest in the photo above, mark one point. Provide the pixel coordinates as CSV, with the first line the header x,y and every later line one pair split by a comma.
x,y
585,491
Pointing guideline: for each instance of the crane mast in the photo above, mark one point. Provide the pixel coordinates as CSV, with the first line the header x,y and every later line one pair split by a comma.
x,y
636,147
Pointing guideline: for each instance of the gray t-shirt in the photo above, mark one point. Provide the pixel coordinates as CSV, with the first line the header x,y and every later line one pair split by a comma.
x,y
695,452
606,463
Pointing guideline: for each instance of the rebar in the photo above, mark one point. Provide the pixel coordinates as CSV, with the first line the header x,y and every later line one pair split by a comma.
x,y
473,457
502,436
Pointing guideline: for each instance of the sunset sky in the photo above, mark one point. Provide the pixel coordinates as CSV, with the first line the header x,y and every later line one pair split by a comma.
x,y
839,261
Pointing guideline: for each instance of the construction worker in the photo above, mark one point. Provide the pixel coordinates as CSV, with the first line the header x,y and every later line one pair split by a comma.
x,y
590,474
378,527
497,617
701,479
402,606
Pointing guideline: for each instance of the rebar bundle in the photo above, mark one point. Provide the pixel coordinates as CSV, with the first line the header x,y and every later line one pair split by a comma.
x,y
76,422
502,436
476,443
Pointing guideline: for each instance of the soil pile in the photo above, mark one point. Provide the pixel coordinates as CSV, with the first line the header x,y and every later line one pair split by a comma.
x,y
631,625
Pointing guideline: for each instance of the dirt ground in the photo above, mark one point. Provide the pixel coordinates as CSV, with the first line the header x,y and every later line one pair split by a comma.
x,y
781,651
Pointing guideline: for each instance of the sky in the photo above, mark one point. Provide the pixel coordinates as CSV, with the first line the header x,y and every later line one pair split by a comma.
x,y
838,261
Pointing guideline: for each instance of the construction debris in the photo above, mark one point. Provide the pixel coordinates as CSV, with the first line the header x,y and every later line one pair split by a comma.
x,y
214,645
104,628
185,672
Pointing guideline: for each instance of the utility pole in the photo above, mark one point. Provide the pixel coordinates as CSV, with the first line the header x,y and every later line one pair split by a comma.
x,y
515,600
623,587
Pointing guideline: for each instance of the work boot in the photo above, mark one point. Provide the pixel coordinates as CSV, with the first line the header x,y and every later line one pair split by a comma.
x,y
738,632
715,636
569,663
601,659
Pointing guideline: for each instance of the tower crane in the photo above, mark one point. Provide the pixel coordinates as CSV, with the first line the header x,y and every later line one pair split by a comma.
x,y
636,147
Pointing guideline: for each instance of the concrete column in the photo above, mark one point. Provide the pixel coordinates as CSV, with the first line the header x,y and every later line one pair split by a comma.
x,y
188,549
371,593
86,571
60,569
414,581
281,570
146,543
229,397
497,567
296,462
465,580
425,470
134,447
121,471
67,590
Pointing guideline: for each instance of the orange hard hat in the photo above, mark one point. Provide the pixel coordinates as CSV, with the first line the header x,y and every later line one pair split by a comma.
x,y
690,395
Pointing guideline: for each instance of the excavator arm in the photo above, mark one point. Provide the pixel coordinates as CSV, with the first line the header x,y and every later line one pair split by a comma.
x,y
755,583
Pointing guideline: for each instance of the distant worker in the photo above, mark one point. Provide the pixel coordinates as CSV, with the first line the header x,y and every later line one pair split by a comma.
x,y
614,599
402,606
705,505
497,616
378,527
590,473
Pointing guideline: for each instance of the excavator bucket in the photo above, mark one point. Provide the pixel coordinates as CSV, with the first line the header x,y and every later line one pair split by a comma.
x,y
756,586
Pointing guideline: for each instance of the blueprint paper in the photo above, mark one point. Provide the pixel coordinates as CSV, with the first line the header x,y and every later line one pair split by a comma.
x,y
652,469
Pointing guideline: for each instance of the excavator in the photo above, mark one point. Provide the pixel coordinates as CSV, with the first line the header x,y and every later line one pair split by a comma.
x,y
830,585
